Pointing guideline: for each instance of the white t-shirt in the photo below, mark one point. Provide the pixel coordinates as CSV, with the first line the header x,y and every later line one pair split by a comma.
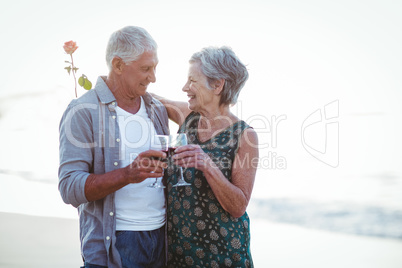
x,y
138,207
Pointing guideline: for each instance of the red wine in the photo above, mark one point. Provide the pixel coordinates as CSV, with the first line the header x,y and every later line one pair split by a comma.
x,y
171,151
160,158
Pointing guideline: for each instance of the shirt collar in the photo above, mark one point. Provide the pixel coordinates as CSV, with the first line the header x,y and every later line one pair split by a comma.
x,y
103,91
147,99
106,96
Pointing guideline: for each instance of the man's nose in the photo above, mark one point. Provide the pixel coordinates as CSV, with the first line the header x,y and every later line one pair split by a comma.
x,y
152,76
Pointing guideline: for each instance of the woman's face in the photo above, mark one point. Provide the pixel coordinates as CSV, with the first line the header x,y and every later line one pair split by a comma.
x,y
198,93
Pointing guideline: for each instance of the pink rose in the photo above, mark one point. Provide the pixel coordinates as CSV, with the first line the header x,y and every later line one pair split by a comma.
x,y
70,47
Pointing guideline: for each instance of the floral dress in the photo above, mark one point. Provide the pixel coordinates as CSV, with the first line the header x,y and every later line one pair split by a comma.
x,y
200,232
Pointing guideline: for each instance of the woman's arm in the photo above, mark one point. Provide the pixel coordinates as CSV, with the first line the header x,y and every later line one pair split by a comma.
x,y
177,110
233,196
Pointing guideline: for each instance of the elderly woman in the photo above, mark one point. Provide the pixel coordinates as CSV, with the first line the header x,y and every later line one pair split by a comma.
x,y
207,222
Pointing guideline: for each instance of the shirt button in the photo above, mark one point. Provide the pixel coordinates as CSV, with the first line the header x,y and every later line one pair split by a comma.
x,y
111,213
118,140
115,163
107,237
113,103
114,117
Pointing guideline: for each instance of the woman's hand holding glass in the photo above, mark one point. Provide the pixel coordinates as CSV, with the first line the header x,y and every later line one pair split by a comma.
x,y
178,141
192,155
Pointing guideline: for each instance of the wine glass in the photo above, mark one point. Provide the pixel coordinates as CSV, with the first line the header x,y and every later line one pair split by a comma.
x,y
174,142
159,142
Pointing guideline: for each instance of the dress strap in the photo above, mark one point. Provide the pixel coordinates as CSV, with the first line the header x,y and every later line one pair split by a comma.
x,y
190,123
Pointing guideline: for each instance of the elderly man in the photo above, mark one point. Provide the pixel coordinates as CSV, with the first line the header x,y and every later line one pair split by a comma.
x,y
106,164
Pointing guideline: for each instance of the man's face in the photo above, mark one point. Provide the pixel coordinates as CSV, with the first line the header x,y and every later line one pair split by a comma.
x,y
137,75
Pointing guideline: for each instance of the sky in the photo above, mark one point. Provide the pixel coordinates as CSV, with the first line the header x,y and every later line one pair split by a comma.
x,y
323,95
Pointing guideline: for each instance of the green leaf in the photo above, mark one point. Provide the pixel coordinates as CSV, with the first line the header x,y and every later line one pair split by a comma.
x,y
75,69
88,84
81,81
68,68
66,61
84,82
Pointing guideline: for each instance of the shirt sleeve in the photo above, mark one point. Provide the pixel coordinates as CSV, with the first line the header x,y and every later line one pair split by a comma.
x,y
75,152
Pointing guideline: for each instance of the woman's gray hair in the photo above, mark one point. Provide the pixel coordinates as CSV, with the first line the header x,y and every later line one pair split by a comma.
x,y
222,63
129,43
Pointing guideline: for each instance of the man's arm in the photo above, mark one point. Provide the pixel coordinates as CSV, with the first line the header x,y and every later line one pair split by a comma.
x,y
76,152
77,183
177,110
143,167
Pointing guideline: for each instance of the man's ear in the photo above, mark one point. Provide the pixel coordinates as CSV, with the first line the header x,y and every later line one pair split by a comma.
x,y
218,86
118,65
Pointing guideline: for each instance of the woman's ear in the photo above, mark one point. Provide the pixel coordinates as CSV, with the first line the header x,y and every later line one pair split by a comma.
x,y
117,65
218,86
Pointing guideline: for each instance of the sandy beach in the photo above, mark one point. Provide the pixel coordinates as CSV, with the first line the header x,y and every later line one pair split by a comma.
x,y
32,241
